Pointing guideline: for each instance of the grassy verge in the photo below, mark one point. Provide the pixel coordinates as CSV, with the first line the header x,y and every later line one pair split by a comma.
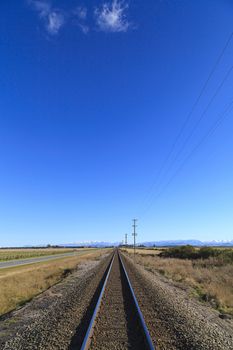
x,y
210,278
22,283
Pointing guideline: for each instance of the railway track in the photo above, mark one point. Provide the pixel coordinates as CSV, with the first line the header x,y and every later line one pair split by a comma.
x,y
117,322
98,310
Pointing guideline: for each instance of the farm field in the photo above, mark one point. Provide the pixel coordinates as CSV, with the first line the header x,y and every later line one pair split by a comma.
x,y
20,284
209,276
22,253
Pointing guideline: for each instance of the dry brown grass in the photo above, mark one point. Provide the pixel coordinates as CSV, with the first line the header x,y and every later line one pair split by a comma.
x,y
20,284
144,251
208,281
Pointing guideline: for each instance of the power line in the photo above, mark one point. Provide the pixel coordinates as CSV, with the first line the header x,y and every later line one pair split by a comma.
x,y
217,123
199,120
189,115
201,117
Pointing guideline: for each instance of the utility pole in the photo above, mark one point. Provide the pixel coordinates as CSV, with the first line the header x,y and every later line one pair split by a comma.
x,y
126,239
134,234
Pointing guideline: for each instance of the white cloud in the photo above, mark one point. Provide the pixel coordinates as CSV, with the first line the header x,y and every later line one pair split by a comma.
x,y
53,19
111,17
42,7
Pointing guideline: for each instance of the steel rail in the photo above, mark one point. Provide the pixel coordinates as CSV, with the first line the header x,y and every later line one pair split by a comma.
x,y
141,318
90,330
87,340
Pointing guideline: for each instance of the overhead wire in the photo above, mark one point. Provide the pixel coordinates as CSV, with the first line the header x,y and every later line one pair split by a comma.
x,y
189,115
188,118
211,130
198,121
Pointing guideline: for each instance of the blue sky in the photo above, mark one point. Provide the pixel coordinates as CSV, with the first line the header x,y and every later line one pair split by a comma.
x,y
93,95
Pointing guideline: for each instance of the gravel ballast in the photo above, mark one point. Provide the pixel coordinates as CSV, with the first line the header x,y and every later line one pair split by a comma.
x,y
174,319
50,320
117,325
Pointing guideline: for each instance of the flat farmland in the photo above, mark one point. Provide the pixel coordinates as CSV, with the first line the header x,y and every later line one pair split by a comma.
x,y
16,254
20,284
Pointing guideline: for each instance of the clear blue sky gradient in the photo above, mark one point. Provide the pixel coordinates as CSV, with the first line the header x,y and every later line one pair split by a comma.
x,y
87,120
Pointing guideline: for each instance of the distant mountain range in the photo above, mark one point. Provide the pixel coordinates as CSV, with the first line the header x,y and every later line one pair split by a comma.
x,y
189,241
94,244
164,243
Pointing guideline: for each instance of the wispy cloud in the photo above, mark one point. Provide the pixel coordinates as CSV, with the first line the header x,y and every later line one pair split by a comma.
x,y
111,17
84,28
81,15
42,7
81,12
53,19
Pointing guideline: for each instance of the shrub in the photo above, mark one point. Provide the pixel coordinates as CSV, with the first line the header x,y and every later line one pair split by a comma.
x,y
219,255
182,252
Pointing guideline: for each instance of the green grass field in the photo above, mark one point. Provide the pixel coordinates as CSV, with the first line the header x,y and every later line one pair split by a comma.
x,y
15,254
